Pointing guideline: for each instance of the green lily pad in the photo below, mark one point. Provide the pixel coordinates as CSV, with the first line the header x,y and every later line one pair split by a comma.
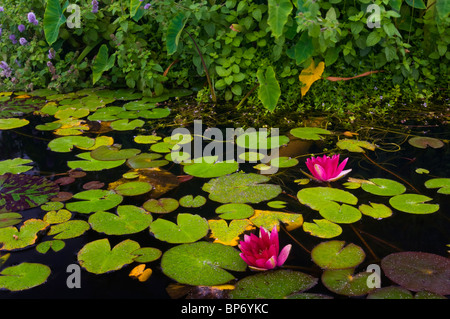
x,y
207,167
20,192
55,245
391,292
12,123
147,139
12,239
155,113
71,112
442,183
56,217
269,219
383,187
355,145
413,204
235,211
147,254
24,276
133,188
138,105
277,284
69,229
345,282
126,125
97,257
189,228
336,255
51,126
201,263
90,164
65,144
129,219
241,188
309,133
322,228
113,153
278,204
375,210
161,206
146,160
9,219
283,162
228,234
192,202
94,200
260,140
15,166
424,142
418,271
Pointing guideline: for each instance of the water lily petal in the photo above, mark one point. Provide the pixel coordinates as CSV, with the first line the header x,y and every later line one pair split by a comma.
x,y
283,255
320,173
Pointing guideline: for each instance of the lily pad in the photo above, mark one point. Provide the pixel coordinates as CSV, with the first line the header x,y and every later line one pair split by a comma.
x,y
345,282
20,192
241,188
55,245
56,217
155,113
417,271
424,142
309,133
12,239
269,219
413,204
355,145
228,234
15,166
192,202
391,292
113,153
97,257
383,187
90,164
277,284
133,188
322,228
24,276
202,263
129,219
189,228
9,219
336,255
235,211
442,183
12,123
375,210
147,254
65,144
207,167
283,162
126,125
260,140
146,160
69,229
94,200
161,206
147,139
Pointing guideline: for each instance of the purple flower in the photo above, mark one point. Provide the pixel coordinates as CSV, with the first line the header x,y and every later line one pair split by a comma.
x,y
6,69
148,5
0,31
94,6
23,41
32,18
12,37
51,54
1,9
21,28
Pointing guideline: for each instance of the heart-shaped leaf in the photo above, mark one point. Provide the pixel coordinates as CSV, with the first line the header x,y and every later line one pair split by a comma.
x,y
355,145
24,276
161,206
309,133
413,204
189,228
322,228
94,200
336,255
235,211
269,219
442,183
228,234
11,238
383,187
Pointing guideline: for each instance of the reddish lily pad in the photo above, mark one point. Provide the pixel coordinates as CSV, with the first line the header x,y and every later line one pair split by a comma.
x,y
424,142
417,271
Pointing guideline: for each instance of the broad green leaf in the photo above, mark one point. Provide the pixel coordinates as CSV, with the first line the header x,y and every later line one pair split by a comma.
x,y
418,4
176,26
97,257
235,211
336,255
134,6
189,228
191,201
442,183
260,140
377,211
161,205
309,133
94,200
65,144
133,188
12,238
126,125
228,234
277,284
269,219
9,219
69,229
269,89
147,254
413,204
53,20
322,228
12,123
354,145
303,49
112,153
391,292
55,245
24,276
90,164
424,142
279,11
383,187
56,217
207,167
345,282
202,263
15,166
102,63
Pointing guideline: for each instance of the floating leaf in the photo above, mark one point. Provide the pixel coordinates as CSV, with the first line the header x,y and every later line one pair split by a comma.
x,y
355,145
129,219
191,201
345,282
442,183
201,263
276,284
310,75
383,187
90,164
235,211
55,245
155,113
375,210
207,167
413,204
278,204
260,140
126,125
11,238
418,271
147,254
228,234
97,257
189,228
241,188
322,228
146,139
112,153
20,192
9,219
283,162
391,292
161,206
12,123
336,255
309,133
133,188
269,219
24,276
94,200
424,142
69,229
65,144
146,160
14,166
56,217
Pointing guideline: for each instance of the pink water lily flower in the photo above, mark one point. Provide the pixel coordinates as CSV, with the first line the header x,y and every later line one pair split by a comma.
x,y
327,169
263,252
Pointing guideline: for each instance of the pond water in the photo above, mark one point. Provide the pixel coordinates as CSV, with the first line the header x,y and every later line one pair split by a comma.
x,y
394,157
